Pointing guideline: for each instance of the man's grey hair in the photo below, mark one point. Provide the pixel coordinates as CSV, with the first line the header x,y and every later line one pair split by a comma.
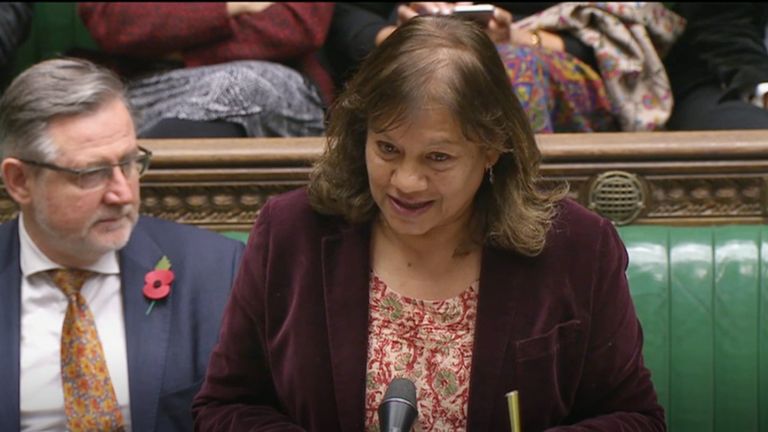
x,y
45,91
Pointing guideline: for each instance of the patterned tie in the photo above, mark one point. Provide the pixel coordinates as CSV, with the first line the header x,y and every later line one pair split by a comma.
x,y
89,399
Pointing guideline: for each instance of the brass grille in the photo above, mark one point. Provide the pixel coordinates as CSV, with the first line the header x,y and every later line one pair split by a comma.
x,y
618,196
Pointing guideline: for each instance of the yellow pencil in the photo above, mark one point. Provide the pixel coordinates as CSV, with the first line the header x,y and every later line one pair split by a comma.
x,y
514,411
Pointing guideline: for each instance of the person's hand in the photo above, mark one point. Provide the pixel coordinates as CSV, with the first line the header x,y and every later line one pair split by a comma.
x,y
237,8
760,97
409,10
498,28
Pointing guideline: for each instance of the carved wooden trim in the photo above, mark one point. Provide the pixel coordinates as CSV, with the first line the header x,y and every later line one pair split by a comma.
x,y
691,177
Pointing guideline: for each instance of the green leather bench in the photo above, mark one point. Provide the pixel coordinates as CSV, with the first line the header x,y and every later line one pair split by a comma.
x,y
702,296
56,29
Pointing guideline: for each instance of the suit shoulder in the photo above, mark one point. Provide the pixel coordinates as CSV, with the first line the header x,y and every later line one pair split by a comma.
x,y
573,212
9,244
295,202
9,227
291,211
574,222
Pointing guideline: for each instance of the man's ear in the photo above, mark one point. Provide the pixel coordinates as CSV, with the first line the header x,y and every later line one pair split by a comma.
x,y
16,178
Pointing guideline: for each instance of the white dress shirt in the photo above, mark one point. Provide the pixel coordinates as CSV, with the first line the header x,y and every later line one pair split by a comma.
x,y
43,307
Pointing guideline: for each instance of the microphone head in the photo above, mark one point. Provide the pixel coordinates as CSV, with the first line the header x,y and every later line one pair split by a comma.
x,y
398,410
402,389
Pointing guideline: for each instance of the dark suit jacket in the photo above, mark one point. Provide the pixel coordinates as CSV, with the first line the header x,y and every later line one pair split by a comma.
x,y
168,349
722,45
560,328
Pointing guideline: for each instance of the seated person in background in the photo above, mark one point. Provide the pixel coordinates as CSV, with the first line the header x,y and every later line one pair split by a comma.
x,y
82,272
575,67
242,68
719,67
629,40
356,29
553,74
15,20
426,248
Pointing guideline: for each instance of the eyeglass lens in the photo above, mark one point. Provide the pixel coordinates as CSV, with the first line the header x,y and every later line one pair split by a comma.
x,y
100,176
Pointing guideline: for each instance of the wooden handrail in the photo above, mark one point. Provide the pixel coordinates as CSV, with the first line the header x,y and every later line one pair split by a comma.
x,y
684,177
612,146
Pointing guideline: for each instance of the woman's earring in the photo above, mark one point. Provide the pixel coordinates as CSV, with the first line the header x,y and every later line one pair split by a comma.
x,y
490,174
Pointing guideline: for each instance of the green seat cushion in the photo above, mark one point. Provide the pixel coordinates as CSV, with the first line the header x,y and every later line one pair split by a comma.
x,y
701,298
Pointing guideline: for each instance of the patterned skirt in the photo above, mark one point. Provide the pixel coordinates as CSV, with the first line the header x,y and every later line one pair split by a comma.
x,y
559,92
267,99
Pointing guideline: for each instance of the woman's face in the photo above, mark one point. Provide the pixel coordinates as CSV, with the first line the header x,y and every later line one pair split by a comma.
x,y
424,174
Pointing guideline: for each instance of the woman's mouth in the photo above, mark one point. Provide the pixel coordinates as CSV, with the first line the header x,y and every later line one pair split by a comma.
x,y
410,208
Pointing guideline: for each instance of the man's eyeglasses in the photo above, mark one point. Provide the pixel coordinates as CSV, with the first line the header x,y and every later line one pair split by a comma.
x,y
92,178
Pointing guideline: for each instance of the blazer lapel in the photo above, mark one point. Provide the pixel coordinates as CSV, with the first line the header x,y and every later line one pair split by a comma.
x,y
147,336
504,277
346,268
10,326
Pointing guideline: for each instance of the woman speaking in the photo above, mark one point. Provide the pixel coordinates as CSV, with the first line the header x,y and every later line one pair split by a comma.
x,y
426,248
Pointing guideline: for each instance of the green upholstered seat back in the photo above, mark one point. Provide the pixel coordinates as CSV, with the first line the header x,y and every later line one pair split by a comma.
x,y
56,28
701,294
237,235
702,298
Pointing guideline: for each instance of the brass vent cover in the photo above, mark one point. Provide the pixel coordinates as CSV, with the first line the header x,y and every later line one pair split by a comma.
x,y
618,196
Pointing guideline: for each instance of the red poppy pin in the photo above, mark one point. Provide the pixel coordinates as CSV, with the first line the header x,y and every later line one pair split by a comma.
x,y
157,283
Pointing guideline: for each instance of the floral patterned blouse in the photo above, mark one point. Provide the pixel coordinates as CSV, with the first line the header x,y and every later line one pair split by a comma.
x,y
428,342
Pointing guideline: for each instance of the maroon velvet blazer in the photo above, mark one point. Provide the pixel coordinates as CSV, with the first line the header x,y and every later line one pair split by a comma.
x,y
560,328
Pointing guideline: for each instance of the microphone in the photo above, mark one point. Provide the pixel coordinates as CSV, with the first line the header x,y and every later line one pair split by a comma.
x,y
397,410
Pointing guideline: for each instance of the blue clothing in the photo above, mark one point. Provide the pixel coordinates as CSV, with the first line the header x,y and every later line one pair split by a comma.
x,y
168,349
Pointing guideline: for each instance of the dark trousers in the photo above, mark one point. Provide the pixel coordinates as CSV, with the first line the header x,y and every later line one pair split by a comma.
x,y
704,109
181,128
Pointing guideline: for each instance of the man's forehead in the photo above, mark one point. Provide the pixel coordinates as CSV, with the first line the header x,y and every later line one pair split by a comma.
x,y
105,134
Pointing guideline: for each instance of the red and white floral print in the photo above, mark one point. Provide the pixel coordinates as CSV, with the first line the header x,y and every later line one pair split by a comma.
x,y
428,342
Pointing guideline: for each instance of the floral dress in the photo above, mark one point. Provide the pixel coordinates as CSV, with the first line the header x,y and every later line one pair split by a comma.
x,y
428,342
558,92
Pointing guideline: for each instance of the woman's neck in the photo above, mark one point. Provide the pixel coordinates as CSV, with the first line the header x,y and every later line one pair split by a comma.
x,y
432,267
435,249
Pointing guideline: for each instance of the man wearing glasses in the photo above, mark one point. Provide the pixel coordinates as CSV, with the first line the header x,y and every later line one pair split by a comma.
x,y
86,342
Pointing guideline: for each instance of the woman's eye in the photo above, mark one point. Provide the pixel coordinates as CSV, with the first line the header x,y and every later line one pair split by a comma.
x,y
438,157
387,148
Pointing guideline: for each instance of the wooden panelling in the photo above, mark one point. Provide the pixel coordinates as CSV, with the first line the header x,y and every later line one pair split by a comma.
x,y
688,177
